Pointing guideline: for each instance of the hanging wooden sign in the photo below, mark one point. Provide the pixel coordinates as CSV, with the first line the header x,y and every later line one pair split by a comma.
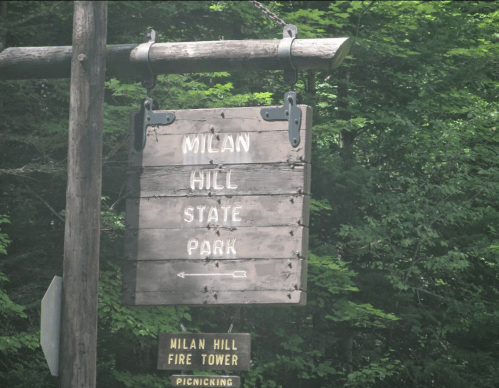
x,y
217,210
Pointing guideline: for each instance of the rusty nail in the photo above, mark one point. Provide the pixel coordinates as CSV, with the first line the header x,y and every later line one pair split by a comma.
x,y
291,199
289,295
291,232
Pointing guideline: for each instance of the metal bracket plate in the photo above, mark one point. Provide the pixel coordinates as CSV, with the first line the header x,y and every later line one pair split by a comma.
x,y
146,117
289,34
290,112
142,57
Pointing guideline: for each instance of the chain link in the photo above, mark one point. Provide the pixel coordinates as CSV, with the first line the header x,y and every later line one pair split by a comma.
x,y
266,11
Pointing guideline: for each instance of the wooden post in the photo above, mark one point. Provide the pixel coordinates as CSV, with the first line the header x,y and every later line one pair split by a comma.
x,y
82,232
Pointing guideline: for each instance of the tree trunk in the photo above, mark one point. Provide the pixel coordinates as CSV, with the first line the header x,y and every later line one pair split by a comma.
x,y
82,232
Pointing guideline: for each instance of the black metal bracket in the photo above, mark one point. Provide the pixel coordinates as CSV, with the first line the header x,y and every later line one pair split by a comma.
x,y
289,34
146,117
290,112
142,58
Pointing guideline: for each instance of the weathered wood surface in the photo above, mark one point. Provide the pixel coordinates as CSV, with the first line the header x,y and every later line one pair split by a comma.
x,y
83,197
178,58
207,351
222,297
214,275
199,212
250,179
248,243
205,381
214,136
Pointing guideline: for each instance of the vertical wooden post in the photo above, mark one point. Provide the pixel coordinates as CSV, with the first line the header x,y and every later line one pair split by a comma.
x,y
82,231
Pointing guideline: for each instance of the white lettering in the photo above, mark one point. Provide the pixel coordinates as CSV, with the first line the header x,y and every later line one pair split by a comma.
x,y
213,214
208,178
228,181
218,245
188,212
205,248
231,243
191,245
203,143
215,184
211,150
190,145
195,179
201,210
242,142
225,209
235,213
225,145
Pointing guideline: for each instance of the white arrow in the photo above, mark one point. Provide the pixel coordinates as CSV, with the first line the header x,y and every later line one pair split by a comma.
x,y
235,274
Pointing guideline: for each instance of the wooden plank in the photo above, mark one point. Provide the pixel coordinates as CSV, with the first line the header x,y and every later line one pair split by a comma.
x,y
178,57
238,179
206,351
199,212
214,136
217,243
205,381
196,298
214,275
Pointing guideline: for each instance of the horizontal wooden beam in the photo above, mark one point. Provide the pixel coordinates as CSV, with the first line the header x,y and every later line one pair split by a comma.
x,y
178,58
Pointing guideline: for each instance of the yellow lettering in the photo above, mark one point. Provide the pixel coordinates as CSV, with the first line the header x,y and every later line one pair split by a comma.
x,y
173,343
185,347
170,358
234,345
227,359
212,381
223,382
179,380
181,358
189,381
234,359
220,359
211,359
227,344
203,356
216,344
188,359
205,381
176,359
193,344
201,344
229,382
195,382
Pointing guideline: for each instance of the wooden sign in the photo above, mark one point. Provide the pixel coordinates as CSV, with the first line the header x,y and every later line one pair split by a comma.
x,y
204,351
205,381
218,211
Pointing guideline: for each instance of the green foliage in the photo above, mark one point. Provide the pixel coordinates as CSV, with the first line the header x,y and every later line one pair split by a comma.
x,y
403,270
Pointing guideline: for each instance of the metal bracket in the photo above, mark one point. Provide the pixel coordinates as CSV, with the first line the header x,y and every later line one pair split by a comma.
x,y
289,34
142,58
147,117
290,112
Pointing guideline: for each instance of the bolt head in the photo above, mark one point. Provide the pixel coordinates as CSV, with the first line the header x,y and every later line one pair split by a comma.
x,y
82,57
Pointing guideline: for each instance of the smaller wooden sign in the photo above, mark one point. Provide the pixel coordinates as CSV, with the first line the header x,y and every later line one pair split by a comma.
x,y
205,381
204,351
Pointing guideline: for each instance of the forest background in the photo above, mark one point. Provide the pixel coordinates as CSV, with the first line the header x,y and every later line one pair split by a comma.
x,y
404,254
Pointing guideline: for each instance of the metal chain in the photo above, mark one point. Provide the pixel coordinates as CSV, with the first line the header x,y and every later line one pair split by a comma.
x,y
266,11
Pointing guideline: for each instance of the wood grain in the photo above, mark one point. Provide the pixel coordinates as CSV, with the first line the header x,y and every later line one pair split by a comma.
x,y
250,243
222,297
178,57
170,212
269,141
214,275
251,179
